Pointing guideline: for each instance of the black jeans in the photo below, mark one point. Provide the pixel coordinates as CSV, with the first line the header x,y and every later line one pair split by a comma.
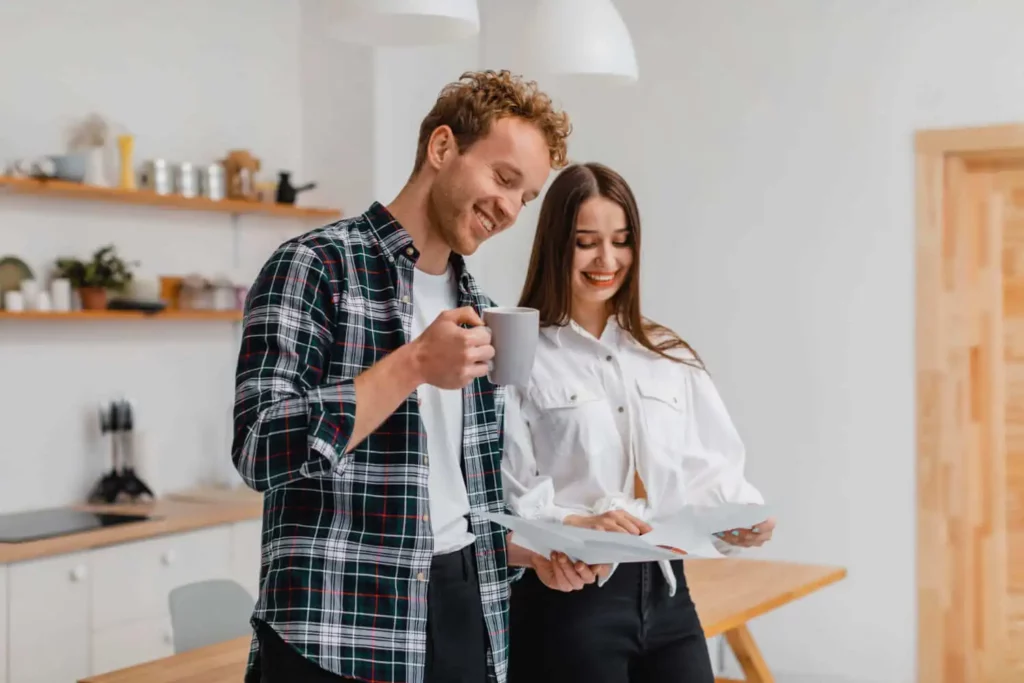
x,y
457,640
628,631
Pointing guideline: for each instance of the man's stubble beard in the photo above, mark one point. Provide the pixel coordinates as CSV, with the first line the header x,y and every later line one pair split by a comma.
x,y
442,216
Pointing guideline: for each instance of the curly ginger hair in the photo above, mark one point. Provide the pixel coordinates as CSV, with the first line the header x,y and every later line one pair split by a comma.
x,y
472,104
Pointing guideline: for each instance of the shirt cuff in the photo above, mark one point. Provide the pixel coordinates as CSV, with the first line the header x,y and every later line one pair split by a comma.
x,y
332,418
727,549
515,573
545,513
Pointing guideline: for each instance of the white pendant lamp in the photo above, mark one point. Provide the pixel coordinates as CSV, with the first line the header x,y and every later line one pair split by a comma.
x,y
404,22
581,38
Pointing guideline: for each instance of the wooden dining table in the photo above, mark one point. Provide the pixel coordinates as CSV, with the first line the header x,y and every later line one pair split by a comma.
x,y
729,593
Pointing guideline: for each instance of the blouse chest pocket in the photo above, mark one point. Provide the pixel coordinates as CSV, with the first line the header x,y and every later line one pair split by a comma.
x,y
665,411
564,397
570,417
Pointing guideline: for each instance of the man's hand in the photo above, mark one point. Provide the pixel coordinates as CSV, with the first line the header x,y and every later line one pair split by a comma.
x,y
449,356
614,520
558,572
562,574
757,535
445,355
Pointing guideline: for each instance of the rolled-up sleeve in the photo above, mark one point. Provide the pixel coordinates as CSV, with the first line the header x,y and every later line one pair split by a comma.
x,y
716,474
287,425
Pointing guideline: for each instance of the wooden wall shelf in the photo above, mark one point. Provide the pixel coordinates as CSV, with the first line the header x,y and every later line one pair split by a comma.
x,y
222,316
66,190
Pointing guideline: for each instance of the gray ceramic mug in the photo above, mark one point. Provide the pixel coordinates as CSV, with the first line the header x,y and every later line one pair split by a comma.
x,y
514,338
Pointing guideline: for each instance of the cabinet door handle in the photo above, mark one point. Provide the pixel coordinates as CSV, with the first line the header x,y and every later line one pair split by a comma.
x,y
79,573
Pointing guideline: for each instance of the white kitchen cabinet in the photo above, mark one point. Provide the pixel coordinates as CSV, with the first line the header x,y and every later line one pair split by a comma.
x,y
48,619
124,645
69,616
3,624
132,581
246,545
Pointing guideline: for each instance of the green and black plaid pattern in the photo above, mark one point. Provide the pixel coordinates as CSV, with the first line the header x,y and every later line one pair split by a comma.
x,y
347,543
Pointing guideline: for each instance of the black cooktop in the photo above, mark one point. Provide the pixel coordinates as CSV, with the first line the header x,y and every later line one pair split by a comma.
x,y
33,525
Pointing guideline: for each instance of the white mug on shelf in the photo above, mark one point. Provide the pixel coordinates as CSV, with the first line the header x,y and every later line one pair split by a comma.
x,y
60,294
14,302
29,294
43,302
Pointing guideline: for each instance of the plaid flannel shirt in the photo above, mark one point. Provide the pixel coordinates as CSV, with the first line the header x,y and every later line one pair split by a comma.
x,y
347,544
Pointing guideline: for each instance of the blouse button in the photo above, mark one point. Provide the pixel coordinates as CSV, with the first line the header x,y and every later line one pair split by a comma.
x,y
410,251
608,357
621,409
573,397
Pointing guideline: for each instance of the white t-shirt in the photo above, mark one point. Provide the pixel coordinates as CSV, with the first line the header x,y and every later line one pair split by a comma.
x,y
441,410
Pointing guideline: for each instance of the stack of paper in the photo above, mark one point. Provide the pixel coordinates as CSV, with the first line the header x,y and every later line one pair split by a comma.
x,y
690,530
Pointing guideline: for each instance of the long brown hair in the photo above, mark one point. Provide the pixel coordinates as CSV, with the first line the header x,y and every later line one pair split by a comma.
x,y
548,286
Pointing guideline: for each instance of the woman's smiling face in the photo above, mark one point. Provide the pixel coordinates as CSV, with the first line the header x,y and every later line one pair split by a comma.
x,y
603,251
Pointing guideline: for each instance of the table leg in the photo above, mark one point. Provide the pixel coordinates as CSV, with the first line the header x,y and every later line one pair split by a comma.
x,y
755,670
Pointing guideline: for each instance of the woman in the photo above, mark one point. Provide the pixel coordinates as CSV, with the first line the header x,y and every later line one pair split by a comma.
x,y
619,424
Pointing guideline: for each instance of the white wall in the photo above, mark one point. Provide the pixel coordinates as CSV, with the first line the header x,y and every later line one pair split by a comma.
x,y
770,147
190,79
408,81
338,113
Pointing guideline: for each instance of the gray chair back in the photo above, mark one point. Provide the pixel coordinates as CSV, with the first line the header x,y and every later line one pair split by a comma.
x,y
209,612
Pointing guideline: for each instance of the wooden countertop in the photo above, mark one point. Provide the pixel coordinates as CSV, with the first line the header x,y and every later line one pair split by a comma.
x,y
221,663
177,514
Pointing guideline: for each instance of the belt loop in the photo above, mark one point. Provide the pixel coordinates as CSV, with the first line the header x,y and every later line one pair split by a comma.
x,y
467,558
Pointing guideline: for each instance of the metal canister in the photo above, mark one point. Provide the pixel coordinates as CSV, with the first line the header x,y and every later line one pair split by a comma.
x,y
186,179
212,182
156,176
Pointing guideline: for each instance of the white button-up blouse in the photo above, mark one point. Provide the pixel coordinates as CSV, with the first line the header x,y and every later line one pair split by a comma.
x,y
597,410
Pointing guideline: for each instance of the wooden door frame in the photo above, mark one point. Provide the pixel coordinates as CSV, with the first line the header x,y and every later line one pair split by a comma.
x,y
956,450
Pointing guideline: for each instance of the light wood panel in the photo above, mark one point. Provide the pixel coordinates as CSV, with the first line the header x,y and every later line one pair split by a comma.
x,y
997,142
58,189
1009,189
970,405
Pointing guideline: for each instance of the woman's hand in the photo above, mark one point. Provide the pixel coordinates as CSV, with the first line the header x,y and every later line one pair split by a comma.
x,y
614,520
754,536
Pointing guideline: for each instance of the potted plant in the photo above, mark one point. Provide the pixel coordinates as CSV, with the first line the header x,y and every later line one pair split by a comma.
x,y
105,272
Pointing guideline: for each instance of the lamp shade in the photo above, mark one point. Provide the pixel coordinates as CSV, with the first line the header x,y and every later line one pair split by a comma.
x,y
581,38
403,22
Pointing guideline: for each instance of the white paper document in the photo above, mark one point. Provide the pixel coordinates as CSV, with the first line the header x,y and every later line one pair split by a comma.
x,y
690,530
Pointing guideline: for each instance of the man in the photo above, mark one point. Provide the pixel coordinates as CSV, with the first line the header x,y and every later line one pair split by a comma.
x,y
363,414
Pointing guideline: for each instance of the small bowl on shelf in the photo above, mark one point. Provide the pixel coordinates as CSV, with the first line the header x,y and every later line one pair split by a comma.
x,y
69,167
